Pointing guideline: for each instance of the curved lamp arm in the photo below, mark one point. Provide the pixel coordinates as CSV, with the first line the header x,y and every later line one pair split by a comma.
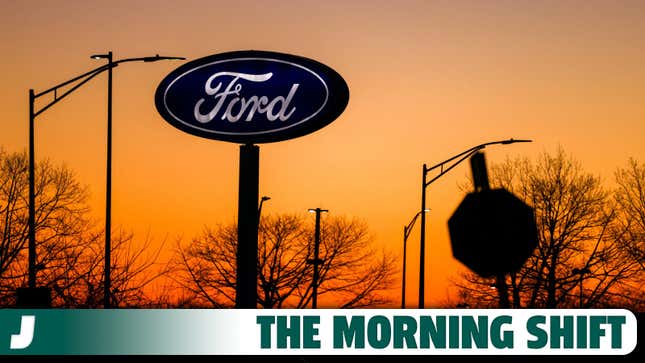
x,y
463,156
407,229
87,76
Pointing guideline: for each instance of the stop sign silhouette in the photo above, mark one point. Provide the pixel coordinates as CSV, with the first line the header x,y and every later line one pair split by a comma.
x,y
492,232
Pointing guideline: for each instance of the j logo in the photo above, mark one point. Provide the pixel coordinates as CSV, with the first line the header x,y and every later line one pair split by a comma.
x,y
23,339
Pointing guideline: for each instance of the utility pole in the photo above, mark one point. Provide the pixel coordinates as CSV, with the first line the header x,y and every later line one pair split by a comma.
x,y
316,261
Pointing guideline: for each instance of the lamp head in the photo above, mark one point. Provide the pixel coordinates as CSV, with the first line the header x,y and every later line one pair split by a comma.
x,y
158,57
314,210
265,198
100,56
512,141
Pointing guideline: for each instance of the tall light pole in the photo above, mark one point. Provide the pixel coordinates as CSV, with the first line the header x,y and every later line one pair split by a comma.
x,y
316,260
444,167
406,233
32,196
79,81
108,188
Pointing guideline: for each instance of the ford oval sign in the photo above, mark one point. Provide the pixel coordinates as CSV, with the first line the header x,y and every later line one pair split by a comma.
x,y
251,96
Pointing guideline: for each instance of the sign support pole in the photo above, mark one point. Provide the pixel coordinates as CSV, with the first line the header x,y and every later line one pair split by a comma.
x,y
247,228
480,179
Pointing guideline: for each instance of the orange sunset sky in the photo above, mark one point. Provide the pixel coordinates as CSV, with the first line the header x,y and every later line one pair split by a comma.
x,y
427,79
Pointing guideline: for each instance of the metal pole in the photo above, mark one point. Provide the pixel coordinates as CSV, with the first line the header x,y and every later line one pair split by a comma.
x,y
405,241
316,261
246,293
32,196
314,295
422,247
108,193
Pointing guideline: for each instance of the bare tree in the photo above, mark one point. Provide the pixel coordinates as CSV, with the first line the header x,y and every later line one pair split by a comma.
x,y
70,249
628,234
135,267
630,198
353,272
577,262
60,220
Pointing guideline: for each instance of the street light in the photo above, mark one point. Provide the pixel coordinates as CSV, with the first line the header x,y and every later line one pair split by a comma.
x,y
406,233
316,260
82,79
108,190
264,199
424,184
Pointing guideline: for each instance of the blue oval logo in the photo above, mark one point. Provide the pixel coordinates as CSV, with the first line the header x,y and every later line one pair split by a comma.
x,y
251,96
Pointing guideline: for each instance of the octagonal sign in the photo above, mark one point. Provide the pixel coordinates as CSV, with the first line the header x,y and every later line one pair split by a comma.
x,y
493,232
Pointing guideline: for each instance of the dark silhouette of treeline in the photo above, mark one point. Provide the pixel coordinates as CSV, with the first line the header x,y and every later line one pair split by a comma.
x,y
591,250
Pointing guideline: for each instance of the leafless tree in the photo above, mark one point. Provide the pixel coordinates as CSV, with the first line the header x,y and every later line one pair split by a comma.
x,y
70,249
353,273
630,198
135,267
60,220
577,262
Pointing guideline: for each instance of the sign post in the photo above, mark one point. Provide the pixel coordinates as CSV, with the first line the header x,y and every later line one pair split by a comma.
x,y
247,227
250,97
492,231
480,181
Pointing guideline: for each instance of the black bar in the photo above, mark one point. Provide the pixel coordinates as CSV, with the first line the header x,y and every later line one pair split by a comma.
x,y
247,228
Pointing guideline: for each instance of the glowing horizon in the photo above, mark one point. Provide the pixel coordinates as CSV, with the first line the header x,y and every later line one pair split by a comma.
x,y
427,81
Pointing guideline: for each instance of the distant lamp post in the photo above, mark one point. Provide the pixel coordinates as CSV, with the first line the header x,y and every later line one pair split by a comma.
x,y
406,233
581,272
444,167
80,80
262,200
316,261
